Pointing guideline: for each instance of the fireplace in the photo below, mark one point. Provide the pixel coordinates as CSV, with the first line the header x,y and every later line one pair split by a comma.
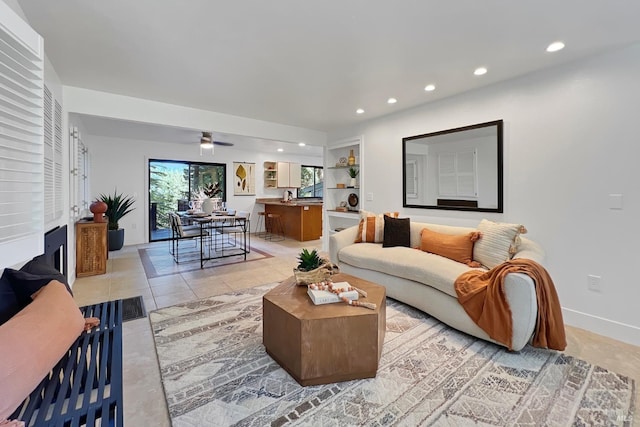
x,y
55,248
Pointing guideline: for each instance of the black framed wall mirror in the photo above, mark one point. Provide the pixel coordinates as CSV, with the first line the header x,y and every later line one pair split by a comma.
x,y
454,169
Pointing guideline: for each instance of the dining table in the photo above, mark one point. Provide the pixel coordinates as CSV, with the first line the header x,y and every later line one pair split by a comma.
x,y
213,229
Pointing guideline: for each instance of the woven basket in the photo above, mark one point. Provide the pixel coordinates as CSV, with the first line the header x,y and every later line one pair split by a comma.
x,y
314,276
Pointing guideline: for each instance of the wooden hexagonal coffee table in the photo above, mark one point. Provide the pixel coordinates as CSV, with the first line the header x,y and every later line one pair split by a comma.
x,y
321,344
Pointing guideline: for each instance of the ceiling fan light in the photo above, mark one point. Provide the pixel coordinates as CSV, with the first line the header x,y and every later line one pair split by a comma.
x,y
206,142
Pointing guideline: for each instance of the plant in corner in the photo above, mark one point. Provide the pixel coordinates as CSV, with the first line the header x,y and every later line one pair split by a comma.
x,y
118,206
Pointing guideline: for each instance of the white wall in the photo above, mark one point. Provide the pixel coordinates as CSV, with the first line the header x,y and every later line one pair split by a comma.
x,y
123,164
571,139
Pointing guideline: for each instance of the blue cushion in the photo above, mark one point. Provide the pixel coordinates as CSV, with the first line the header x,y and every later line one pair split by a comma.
x,y
39,267
26,284
9,305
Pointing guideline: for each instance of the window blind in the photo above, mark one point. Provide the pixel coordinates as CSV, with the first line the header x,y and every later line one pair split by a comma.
x,y
53,195
49,183
21,140
57,160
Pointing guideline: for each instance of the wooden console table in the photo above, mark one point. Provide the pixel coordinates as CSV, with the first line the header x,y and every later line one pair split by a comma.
x,y
91,248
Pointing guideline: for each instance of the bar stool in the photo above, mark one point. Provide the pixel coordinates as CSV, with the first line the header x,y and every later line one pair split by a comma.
x,y
275,228
261,222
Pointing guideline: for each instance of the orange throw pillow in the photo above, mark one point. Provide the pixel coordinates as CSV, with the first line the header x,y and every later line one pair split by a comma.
x,y
458,248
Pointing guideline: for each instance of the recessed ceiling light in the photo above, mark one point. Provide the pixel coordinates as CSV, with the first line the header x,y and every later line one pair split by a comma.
x,y
430,88
480,71
391,101
301,144
359,111
555,46
280,150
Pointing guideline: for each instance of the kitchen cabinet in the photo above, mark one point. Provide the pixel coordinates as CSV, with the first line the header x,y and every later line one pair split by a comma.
x,y
289,175
302,221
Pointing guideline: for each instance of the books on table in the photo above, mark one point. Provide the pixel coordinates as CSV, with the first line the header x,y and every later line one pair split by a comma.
x,y
325,297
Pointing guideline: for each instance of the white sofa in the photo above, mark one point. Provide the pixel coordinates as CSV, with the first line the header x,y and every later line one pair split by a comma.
x,y
426,281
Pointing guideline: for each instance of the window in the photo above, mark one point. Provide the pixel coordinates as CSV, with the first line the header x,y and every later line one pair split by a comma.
x,y
457,174
171,186
312,182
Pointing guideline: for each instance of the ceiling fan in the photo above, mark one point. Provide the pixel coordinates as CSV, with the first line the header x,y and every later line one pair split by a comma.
x,y
206,141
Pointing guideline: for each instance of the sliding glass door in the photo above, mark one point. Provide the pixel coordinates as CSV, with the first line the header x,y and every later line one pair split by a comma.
x,y
171,186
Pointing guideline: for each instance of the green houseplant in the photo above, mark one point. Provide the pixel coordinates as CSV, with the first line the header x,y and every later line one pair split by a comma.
x,y
312,268
118,205
353,173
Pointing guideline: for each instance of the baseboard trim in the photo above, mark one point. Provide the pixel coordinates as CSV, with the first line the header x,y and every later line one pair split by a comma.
x,y
599,325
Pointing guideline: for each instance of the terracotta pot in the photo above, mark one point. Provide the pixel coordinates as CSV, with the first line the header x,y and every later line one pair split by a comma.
x,y
98,208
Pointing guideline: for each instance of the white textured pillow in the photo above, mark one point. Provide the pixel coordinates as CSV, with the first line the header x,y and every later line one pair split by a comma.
x,y
498,243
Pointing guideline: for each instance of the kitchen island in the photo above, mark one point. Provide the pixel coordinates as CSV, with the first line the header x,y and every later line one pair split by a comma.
x,y
302,219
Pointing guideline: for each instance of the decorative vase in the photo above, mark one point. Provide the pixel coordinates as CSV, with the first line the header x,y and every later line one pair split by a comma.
x,y
352,158
211,204
98,208
353,183
208,206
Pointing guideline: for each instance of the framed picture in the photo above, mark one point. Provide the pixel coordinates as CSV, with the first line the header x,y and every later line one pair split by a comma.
x,y
244,179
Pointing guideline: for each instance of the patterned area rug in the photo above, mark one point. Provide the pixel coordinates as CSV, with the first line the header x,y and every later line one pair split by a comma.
x,y
215,372
158,262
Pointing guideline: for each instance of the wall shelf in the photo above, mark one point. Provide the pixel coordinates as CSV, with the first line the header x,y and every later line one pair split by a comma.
x,y
338,174
343,167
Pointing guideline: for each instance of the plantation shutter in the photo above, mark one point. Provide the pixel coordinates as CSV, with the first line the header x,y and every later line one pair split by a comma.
x,y
57,160
21,140
53,194
49,183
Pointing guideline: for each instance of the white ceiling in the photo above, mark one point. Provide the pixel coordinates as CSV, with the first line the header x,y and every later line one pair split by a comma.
x,y
312,64
122,129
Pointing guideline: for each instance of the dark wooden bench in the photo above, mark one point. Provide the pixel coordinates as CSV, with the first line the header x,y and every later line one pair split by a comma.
x,y
85,386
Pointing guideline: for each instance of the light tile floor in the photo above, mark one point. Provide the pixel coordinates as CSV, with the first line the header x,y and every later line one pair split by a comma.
x,y
144,402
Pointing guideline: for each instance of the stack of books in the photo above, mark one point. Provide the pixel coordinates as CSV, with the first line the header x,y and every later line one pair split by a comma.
x,y
326,297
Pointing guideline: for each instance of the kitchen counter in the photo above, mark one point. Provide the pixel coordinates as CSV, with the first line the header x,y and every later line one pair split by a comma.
x,y
302,219
295,202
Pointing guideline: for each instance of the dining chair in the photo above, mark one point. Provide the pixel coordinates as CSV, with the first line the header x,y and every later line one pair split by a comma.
x,y
240,225
181,232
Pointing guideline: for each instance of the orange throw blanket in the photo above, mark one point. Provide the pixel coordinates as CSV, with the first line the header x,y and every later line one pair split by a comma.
x,y
481,293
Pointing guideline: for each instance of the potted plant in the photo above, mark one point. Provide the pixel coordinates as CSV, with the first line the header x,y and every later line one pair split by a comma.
x,y
118,206
311,268
212,201
353,173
